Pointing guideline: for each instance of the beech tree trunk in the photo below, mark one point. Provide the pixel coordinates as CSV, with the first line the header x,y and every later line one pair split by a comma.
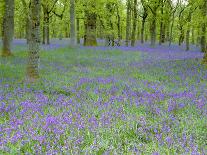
x,y
8,28
162,25
134,24
203,27
78,30
34,42
203,39
142,30
193,36
118,25
90,29
128,22
72,23
188,39
181,37
46,28
153,30
188,33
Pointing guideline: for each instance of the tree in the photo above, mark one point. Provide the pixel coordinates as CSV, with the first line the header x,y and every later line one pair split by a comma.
x,y
128,22
72,23
134,27
48,8
144,17
203,39
153,6
203,8
90,23
34,42
8,27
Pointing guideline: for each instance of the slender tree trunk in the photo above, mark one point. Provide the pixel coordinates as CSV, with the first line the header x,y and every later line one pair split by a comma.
x,y
193,36
118,26
188,33
34,43
128,22
44,27
8,28
142,30
90,29
134,24
181,37
146,35
203,40
138,29
188,39
72,23
198,39
162,26
48,29
171,29
78,30
153,30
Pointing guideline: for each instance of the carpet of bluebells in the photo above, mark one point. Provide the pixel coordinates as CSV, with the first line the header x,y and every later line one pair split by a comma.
x,y
104,100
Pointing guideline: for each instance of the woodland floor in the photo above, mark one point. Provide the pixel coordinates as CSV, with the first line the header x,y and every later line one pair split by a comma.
x,y
104,100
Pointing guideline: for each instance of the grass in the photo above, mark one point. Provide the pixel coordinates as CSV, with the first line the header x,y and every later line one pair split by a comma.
x,y
134,104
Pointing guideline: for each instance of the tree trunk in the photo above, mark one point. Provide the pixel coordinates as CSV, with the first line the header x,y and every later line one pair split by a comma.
x,y
171,29
8,28
188,33
72,23
193,36
203,39
48,29
134,24
118,26
188,39
142,30
128,22
78,30
162,26
34,43
181,37
153,30
90,29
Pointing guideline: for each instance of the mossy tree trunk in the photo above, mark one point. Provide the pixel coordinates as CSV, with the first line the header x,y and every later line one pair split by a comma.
x,y
8,28
34,43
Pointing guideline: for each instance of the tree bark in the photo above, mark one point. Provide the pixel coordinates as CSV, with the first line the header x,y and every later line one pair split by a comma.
x,y
188,32
72,23
153,30
203,27
181,37
46,28
193,36
90,29
162,26
128,22
203,39
118,25
8,28
34,43
134,24
78,30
